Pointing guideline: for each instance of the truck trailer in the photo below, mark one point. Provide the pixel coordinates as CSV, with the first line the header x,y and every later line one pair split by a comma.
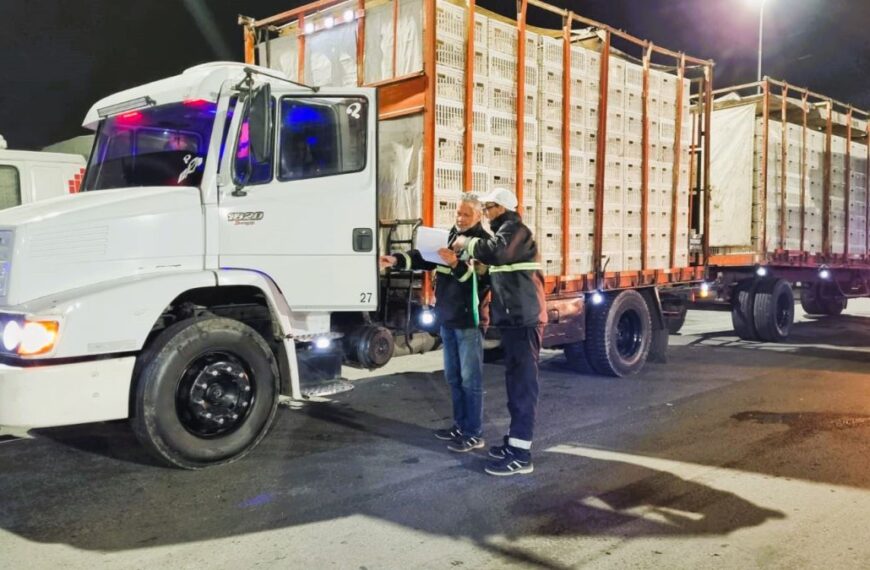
x,y
28,176
789,171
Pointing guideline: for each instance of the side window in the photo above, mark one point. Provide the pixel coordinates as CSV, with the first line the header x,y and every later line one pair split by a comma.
x,y
10,187
260,172
322,136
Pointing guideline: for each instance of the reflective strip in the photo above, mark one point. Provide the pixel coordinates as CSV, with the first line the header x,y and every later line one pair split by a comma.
x,y
467,275
407,261
528,266
471,245
443,269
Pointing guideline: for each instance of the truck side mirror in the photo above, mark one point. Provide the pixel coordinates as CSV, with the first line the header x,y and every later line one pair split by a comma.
x,y
260,123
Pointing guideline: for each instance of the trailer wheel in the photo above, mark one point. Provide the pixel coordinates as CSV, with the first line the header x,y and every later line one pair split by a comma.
x,y
206,393
773,310
810,301
619,332
675,321
742,310
575,355
834,305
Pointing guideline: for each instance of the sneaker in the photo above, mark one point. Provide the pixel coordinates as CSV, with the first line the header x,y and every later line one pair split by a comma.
x,y
448,434
499,451
512,464
466,443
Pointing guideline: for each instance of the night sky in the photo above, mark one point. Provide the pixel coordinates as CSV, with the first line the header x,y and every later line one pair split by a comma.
x,y
59,56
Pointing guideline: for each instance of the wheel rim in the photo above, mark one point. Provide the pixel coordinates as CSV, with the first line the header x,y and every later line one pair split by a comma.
x,y
783,312
215,394
629,334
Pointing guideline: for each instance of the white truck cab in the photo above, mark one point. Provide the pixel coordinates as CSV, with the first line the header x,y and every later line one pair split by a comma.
x,y
30,176
226,219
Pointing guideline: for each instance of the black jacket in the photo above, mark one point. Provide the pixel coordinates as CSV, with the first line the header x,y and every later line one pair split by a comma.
x,y
515,272
453,286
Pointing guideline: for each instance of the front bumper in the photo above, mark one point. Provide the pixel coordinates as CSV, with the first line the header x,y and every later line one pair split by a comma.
x,y
65,394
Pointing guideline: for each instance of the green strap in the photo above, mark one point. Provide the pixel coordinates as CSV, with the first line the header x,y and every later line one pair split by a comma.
x,y
527,266
468,273
407,260
474,299
443,269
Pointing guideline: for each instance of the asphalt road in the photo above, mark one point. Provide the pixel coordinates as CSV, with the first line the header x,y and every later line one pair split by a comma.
x,y
731,455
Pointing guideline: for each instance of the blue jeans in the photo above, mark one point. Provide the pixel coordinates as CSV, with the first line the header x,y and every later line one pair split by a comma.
x,y
463,368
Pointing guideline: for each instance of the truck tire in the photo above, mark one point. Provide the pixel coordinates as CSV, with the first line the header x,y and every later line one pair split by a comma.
x,y
810,301
773,310
675,322
206,393
575,356
619,333
742,310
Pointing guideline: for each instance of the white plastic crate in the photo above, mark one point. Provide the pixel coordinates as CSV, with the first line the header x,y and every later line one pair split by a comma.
x,y
577,166
615,144
502,127
578,60
448,178
481,29
632,173
616,71
616,97
613,172
502,38
577,138
480,179
551,214
449,148
480,156
613,217
502,97
615,120
667,130
551,187
502,157
551,107
530,161
533,40
631,197
550,50
631,260
611,239
631,220
445,210
449,84
550,240
450,53
632,148
633,125
450,115
450,21
481,61
593,65
480,123
551,80
551,134
502,68
532,77
582,222
481,93
499,178
551,263
551,160
530,189
583,192
634,75
592,116
580,263
633,101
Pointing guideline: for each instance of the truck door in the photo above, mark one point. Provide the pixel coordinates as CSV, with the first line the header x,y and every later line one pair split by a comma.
x,y
307,216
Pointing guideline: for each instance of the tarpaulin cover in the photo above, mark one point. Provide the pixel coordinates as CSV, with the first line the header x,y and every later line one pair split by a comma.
x,y
731,176
400,168
282,55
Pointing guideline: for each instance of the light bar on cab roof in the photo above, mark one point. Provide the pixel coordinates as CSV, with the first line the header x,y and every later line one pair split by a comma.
x,y
130,105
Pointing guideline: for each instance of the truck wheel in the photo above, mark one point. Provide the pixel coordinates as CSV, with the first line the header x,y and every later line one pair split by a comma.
x,y
822,299
833,304
675,321
206,392
742,310
575,355
810,301
619,332
773,310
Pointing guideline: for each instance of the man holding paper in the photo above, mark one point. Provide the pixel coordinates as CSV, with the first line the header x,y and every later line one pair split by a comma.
x,y
459,288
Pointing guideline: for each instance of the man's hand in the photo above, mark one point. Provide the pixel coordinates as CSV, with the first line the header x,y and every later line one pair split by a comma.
x,y
386,261
448,256
459,243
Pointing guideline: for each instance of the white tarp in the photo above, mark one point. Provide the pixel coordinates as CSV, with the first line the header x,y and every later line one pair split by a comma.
x,y
282,55
731,155
400,168
379,40
331,57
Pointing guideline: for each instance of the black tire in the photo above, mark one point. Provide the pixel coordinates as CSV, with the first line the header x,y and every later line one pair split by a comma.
x,y
810,300
575,356
773,310
675,322
619,333
833,305
742,310
206,393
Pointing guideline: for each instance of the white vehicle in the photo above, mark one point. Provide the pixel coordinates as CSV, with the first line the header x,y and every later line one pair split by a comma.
x,y
29,176
226,223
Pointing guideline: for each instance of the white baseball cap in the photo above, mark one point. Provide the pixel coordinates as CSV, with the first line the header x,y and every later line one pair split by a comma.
x,y
502,197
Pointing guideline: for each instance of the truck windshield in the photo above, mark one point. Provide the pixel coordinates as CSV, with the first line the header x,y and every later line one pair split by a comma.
x,y
159,146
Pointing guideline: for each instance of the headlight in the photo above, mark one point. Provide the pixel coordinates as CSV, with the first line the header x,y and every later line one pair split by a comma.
x,y
29,337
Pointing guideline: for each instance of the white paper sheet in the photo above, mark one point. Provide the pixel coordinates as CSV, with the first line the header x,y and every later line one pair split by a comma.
x,y
429,241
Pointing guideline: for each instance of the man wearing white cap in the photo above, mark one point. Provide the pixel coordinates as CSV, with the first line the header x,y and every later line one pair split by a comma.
x,y
518,310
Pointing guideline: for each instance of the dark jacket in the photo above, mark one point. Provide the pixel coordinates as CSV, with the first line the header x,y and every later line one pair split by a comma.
x,y
515,272
454,295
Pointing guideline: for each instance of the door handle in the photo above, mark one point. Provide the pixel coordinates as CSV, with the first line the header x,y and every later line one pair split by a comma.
x,y
362,239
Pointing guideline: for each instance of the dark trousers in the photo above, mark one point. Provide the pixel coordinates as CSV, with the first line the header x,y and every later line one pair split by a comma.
x,y
522,350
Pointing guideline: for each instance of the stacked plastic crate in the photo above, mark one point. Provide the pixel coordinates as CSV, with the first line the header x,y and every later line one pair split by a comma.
x,y
858,199
450,57
549,235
